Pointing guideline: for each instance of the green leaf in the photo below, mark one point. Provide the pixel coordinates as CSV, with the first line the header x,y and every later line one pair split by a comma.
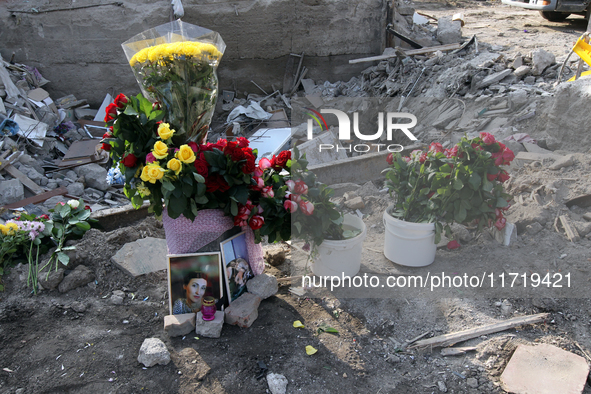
x,y
458,184
326,328
474,181
84,226
167,185
63,258
233,208
460,216
502,203
198,177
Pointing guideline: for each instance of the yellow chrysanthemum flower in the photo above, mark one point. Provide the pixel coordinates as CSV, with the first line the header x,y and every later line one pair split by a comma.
x,y
12,228
162,53
143,189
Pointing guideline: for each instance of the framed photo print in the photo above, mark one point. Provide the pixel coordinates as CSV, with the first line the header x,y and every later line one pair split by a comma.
x,y
236,265
191,277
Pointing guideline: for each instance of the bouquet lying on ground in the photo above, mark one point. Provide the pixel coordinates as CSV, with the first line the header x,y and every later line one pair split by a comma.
x,y
463,184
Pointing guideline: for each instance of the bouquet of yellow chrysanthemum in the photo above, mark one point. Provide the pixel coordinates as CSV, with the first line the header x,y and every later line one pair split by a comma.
x,y
175,65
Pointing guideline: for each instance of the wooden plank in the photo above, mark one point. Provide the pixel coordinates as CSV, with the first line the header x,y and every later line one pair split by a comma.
x,y
38,198
460,336
456,351
447,47
571,232
29,184
11,159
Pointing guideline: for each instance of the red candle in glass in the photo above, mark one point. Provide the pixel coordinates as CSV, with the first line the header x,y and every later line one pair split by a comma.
x,y
208,308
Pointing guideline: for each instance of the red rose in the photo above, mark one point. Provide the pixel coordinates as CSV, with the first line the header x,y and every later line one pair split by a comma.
x,y
106,146
44,216
491,177
129,160
107,135
500,223
201,167
453,245
111,112
423,157
237,155
390,158
249,166
307,207
121,101
503,176
282,159
193,145
242,142
256,222
216,183
87,207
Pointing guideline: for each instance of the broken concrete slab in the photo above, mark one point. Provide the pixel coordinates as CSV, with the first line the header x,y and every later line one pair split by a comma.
x,y
565,161
11,191
153,351
142,256
94,175
541,59
211,328
522,71
544,369
494,78
243,311
263,285
448,30
178,325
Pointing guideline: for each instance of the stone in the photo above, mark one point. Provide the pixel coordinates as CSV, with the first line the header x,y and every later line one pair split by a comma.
x,y
94,175
544,369
587,216
541,59
178,325
534,228
529,80
263,285
522,71
76,189
448,31
212,328
583,228
441,386
350,195
355,203
52,202
472,382
368,189
51,281
461,232
243,311
153,351
78,307
494,78
339,189
518,62
564,161
79,277
506,308
32,174
31,162
142,256
11,191
116,299
277,383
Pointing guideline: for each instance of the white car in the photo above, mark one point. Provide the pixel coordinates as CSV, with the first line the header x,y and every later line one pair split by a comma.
x,y
554,10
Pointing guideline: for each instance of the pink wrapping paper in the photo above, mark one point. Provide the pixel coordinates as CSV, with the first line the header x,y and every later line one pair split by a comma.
x,y
184,236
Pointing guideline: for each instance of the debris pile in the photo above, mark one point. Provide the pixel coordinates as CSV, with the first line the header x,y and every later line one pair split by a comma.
x,y
50,150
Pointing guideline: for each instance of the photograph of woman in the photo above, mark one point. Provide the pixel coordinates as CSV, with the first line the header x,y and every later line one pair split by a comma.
x,y
237,268
195,285
192,277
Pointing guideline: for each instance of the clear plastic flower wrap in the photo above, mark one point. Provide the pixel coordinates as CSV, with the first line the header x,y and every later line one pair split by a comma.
x,y
175,65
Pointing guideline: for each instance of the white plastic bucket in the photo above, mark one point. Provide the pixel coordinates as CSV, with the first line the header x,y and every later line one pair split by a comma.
x,y
343,257
408,244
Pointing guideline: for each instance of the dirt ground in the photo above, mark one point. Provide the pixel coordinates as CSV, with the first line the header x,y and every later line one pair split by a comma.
x,y
79,342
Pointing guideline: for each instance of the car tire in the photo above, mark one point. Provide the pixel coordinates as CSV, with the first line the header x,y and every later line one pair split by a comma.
x,y
554,16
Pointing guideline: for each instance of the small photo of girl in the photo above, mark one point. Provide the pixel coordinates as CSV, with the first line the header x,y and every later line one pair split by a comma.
x,y
236,267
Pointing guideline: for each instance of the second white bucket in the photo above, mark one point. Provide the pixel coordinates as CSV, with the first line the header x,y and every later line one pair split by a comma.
x,y
408,244
342,257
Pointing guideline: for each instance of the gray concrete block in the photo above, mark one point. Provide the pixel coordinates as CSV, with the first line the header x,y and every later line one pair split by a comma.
x,y
209,329
263,285
243,311
178,325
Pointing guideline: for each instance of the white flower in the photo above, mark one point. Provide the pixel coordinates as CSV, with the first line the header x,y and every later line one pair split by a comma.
x,y
73,204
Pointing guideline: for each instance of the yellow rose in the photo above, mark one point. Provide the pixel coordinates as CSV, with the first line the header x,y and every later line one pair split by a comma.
x,y
12,228
185,154
3,229
175,165
164,131
152,172
160,150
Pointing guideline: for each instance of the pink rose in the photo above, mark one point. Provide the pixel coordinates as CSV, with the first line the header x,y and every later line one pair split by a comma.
x,y
290,206
264,163
267,192
300,187
436,147
290,185
390,158
256,222
307,207
500,223
150,158
487,138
